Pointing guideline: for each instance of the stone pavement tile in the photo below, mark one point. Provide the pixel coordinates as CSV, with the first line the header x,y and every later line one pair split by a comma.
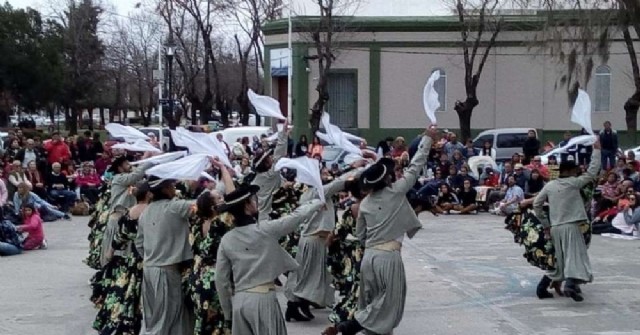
x,y
464,276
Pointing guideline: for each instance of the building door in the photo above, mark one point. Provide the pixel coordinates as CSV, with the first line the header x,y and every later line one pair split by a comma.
x,y
283,95
343,97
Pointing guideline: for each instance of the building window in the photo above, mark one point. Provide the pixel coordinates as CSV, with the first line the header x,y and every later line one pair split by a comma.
x,y
343,96
441,87
603,89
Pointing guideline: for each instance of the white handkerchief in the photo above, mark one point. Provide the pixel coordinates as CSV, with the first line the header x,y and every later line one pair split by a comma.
x,y
128,133
430,97
581,112
186,168
307,171
265,106
138,145
164,158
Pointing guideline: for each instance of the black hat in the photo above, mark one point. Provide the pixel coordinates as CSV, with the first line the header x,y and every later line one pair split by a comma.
x,y
116,164
374,176
238,197
567,166
260,157
156,184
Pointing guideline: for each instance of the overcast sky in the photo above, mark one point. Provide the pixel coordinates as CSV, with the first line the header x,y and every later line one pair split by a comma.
x,y
302,7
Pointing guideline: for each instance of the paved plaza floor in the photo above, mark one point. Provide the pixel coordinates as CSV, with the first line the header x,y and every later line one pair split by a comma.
x,y
465,276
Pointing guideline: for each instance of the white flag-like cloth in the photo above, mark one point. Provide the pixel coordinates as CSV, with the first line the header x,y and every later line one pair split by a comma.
x,y
335,136
307,171
200,143
586,140
430,97
477,161
581,112
186,168
138,145
265,106
164,158
128,133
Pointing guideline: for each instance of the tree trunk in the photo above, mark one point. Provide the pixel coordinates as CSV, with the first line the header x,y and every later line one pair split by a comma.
x,y
102,123
631,114
90,114
73,124
465,110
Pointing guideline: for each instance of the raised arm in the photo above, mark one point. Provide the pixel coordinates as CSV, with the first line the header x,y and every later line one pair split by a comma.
x,y
184,208
538,204
288,224
592,172
226,178
223,282
281,146
338,184
418,162
132,178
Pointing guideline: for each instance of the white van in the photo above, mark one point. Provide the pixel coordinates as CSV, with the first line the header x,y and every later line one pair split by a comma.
x,y
231,135
506,141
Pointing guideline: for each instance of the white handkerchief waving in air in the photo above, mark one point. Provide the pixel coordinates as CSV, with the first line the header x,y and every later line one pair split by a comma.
x,y
186,168
128,133
164,158
200,143
334,135
138,145
581,112
430,97
307,171
265,105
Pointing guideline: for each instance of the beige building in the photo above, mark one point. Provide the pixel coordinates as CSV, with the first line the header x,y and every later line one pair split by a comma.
x,y
377,80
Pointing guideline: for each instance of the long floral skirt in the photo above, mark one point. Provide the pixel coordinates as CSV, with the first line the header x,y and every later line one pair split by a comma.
x,y
528,231
117,295
344,259
201,293
98,224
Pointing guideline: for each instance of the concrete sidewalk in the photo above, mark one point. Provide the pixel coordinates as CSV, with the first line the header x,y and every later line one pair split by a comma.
x,y
465,276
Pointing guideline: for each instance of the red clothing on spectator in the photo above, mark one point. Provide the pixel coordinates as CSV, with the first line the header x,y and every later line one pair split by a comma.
x,y
492,181
86,179
33,226
636,165
57,152
102,164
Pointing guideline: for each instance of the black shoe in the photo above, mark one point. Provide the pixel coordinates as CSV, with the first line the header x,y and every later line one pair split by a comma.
x,y
570,290
351,327
304,308
542,291
293,313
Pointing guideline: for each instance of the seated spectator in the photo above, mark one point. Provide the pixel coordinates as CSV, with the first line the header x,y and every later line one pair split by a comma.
x,y
89,183
32,224
36,179
244,168
630,173
16,177
488,150
316,147
469,150
4,194
536,164
12,152
48,212
454,180
467,197
534,185
103,162
512,199
625,222
490,178
399,147
516,159
59,186
458,159
554,168
631,159
431,187
302,146
10,243
619,167
446,200
520,176
610,189
444,165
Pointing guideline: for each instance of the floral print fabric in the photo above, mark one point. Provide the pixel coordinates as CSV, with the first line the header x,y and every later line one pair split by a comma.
x,y
344,257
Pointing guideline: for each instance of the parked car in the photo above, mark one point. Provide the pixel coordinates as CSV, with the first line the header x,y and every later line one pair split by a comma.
x,y
506,141
231,135
14,120
166,136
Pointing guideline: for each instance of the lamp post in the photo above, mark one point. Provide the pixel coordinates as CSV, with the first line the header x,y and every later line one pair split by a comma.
x,y
169,52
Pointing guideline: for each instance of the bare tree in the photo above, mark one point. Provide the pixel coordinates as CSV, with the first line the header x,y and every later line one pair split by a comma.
x,y
476,24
